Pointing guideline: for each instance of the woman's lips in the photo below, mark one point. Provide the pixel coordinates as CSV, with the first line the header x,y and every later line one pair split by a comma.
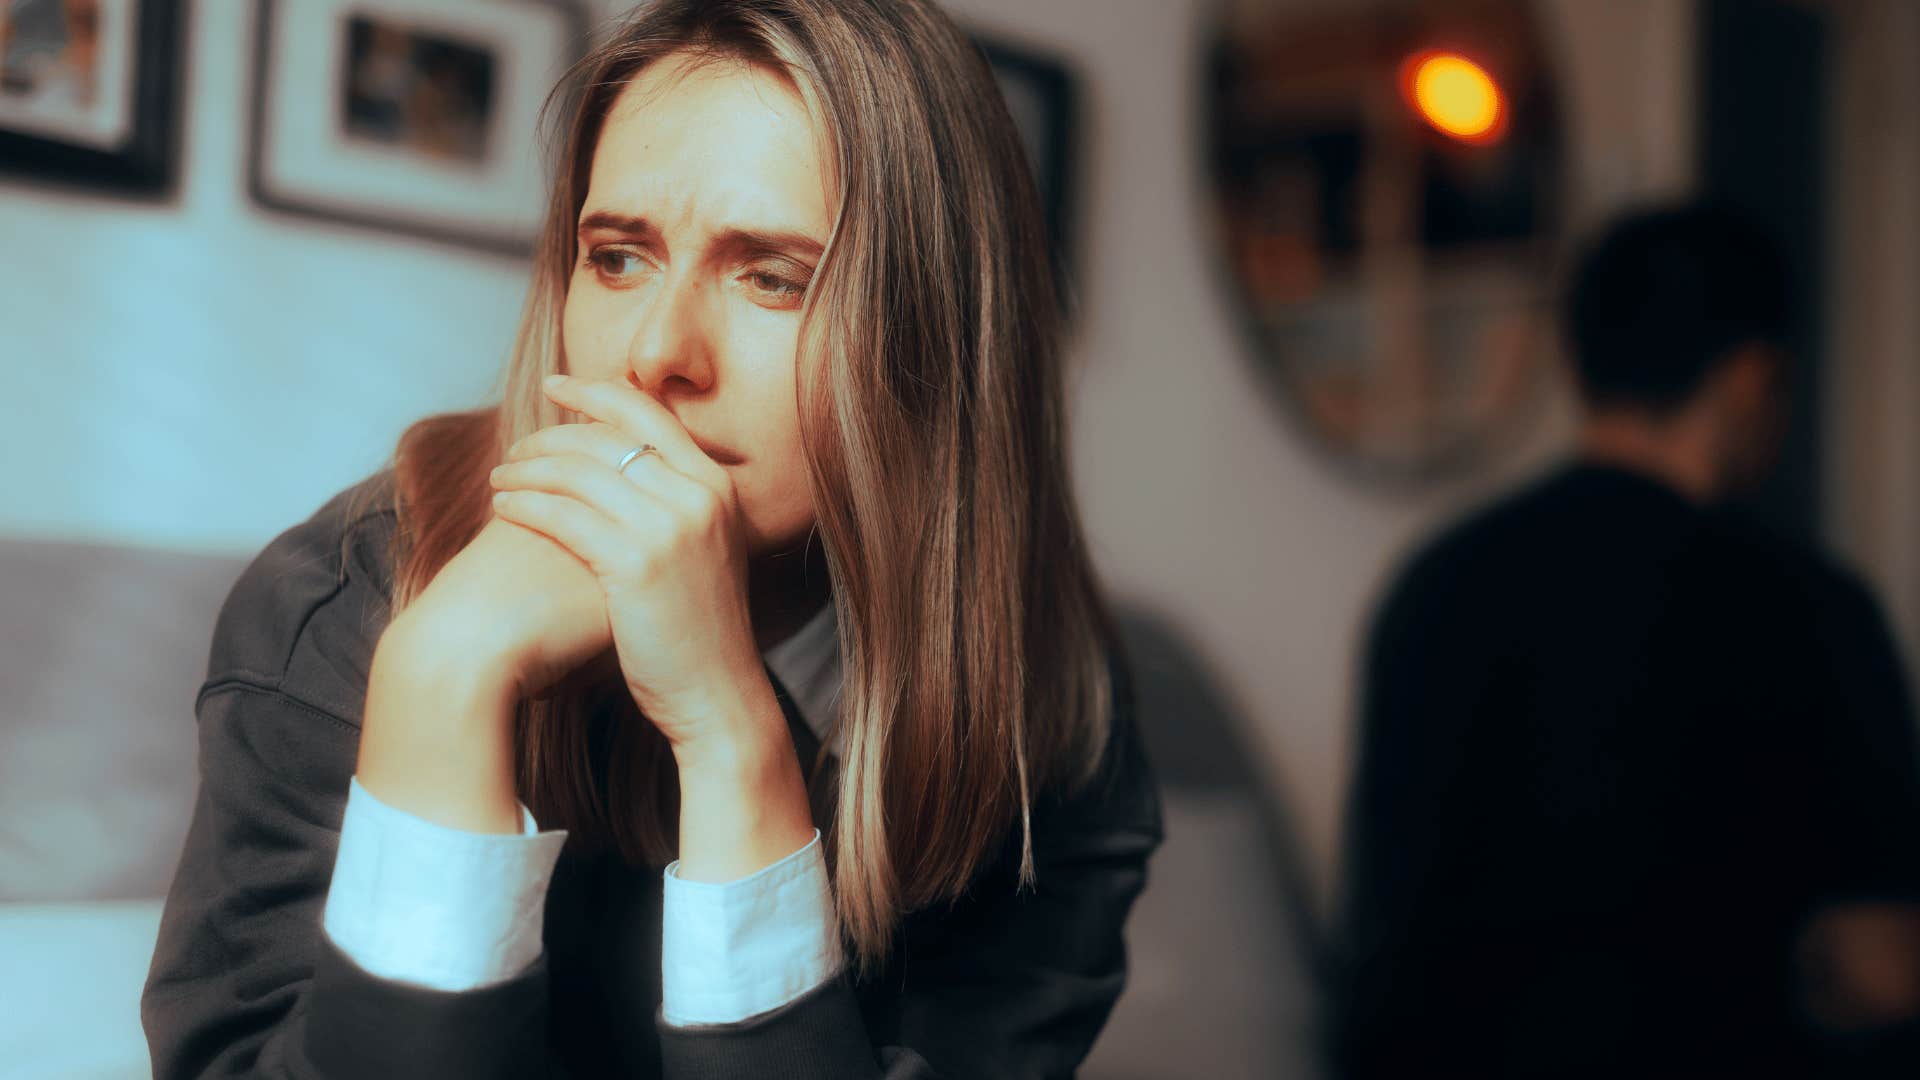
x,y
719,454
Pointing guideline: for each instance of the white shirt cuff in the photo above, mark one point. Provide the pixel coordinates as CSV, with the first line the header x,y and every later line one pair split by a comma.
x,y
737,949
445,908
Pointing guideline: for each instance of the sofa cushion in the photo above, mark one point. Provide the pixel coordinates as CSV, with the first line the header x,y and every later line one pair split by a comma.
x,y
102,649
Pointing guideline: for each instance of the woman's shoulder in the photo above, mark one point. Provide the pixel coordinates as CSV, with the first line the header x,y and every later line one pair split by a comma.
x,y
303,617
1120,796
1091,842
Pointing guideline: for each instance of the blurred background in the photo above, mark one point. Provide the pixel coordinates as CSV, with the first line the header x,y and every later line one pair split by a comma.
x,y
1313,245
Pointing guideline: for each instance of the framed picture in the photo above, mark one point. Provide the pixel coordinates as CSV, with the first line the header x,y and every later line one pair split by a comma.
x,y
89,91
413,116
1043,95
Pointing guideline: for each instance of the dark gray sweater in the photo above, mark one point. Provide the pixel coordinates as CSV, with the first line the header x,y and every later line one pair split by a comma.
x,y
244,982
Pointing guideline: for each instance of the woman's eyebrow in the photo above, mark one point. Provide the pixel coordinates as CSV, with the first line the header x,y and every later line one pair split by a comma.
x,y
775,241
630,224
733,239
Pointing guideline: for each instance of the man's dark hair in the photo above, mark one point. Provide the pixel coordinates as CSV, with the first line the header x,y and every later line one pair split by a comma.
x,y
1664,294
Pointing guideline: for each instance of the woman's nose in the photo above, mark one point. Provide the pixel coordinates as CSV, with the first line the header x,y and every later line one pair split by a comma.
x,y
673,339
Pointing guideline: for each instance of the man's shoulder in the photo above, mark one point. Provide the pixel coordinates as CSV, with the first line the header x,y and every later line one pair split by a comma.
x,y
303,617
1486,543
1551,531
1783,568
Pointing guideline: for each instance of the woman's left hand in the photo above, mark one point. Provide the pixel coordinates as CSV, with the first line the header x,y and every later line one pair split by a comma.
x,y
665,542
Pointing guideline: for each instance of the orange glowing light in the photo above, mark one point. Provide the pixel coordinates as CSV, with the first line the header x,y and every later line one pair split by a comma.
x,y
1456,96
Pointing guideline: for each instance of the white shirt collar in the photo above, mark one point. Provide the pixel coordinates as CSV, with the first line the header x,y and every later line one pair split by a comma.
x,y
808,665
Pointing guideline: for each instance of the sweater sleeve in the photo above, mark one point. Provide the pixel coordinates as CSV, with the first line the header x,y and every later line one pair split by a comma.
x,y
1009,983
243,980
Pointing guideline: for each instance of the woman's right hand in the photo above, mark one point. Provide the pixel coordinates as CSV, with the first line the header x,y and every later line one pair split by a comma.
x,y
515,608
511,615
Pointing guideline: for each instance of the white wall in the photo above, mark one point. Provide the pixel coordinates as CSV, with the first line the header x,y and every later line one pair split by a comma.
x,y
197,375
201,375
1873,390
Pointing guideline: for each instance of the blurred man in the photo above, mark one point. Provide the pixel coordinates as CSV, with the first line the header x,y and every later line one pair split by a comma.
x,y
1637,790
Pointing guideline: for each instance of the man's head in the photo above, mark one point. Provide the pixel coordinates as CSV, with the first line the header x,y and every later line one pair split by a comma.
x,y
1678,320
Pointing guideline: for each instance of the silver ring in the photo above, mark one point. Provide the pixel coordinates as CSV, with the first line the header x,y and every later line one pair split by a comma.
x,y
643,448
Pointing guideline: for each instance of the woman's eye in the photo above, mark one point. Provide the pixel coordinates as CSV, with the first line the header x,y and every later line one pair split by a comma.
x,y
614,262
775,285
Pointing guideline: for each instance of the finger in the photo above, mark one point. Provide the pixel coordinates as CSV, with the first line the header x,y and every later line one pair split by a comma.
x,y
588,438
619,497
601,444
639,415
671,487
588,534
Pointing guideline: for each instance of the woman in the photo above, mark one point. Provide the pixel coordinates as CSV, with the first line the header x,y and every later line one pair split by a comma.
x,y
762,588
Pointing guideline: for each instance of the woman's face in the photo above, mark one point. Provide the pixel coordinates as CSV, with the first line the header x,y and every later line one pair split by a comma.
x,y
704,219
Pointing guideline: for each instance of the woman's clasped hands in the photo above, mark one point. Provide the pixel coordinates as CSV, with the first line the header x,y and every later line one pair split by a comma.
x,y
662,540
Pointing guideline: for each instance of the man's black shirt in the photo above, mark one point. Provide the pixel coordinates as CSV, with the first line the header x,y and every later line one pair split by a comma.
x,y
1614,751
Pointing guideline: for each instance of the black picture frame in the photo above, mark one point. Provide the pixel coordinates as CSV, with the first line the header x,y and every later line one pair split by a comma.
x,y
265,193
147,161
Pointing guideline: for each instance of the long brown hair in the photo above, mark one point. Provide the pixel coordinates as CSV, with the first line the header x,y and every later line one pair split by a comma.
x,y
973,638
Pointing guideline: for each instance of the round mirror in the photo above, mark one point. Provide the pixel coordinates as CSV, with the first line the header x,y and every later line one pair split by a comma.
x,y
1384,182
